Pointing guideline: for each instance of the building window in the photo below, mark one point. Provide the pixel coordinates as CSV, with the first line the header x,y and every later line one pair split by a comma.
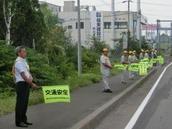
x,y
98,14
107,25
121,25
98,24
98,29
81,25
69,27
98,20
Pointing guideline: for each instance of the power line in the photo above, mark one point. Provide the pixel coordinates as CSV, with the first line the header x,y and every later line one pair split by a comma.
x,y
154,4
134,2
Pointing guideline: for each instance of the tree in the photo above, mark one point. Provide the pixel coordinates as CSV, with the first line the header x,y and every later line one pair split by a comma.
x,y
2,23
49,19
28,24
97,45
8,11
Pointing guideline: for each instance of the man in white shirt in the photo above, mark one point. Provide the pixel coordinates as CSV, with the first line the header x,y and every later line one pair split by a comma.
x,y
105,66
146,54
141,56
124,61
24,81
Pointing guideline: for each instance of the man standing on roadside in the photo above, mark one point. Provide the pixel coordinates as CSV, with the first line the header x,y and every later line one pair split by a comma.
x,y
23,80
124,61
105,66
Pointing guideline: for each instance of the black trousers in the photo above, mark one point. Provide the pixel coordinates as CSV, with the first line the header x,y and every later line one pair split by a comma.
x,y
22,90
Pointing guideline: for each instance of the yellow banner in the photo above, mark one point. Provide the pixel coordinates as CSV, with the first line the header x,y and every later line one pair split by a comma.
x,y
134,67
143,69
58,93
160,59
120,66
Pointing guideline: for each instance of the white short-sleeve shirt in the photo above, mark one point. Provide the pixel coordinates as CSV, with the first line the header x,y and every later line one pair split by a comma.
x,y
21,66
105,60
124,59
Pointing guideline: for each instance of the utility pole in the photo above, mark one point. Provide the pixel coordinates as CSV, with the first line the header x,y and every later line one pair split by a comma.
x,y
79,41
158,34
128,26
113,22
139,32
128,31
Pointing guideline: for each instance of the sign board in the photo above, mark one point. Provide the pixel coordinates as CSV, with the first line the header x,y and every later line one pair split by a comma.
x,y
58,93
143,69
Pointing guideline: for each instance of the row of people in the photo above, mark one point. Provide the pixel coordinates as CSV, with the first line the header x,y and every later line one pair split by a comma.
x,y
127,58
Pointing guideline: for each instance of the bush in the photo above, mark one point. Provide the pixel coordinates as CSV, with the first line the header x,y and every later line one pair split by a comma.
x,y
90,59
7,57
83,80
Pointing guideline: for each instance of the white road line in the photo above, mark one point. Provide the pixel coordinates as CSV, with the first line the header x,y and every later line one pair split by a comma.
x,y
139,111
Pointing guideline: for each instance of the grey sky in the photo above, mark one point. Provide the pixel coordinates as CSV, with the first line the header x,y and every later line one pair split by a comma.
x,y
152,9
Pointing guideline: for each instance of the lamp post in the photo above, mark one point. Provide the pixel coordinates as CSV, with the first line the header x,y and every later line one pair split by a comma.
x,y
79,41
113,22
139,23
128,27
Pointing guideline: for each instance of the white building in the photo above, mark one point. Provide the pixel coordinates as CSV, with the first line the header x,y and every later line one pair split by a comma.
x,y
97,23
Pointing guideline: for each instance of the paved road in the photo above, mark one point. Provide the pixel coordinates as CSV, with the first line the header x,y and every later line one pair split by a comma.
x,y
158,112
156,115
120,116
62,116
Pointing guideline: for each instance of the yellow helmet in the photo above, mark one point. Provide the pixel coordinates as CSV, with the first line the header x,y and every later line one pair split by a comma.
x,y
105,50
125,52
130,52
142,50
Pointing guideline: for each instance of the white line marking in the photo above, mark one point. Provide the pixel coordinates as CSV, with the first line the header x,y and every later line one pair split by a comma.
x,y
139,111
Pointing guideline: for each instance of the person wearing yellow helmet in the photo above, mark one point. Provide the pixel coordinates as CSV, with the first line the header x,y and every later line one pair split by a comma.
x,y
135,60
141,56
105,66
135,56
146,55
131,60
152,53
124,61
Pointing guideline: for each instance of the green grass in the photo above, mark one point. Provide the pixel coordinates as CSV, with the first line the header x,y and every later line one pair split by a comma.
x,y
7,103
8,99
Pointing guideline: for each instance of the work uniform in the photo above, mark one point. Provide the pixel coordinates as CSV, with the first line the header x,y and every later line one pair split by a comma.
x,y
22,89
141,56
124,76
105,71
131,60
146,55
135,59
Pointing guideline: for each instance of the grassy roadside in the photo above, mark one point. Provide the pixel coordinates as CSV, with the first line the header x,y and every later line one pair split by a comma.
x,y
7,100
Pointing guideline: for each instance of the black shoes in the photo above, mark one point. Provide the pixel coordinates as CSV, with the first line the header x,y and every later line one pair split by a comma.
x,y
107,91
22,125
27,123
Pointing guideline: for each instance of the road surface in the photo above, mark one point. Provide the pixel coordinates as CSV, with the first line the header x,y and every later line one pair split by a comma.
x,y
157,114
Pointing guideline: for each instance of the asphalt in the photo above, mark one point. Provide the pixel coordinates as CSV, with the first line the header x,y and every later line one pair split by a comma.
x,y
158,112
85,100
118,118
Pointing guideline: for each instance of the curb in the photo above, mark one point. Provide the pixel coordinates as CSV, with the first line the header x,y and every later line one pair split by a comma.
x,y
92,120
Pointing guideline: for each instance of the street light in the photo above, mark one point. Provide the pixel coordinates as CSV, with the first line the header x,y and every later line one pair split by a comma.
x,y
113,22
139,31
79,41
128,1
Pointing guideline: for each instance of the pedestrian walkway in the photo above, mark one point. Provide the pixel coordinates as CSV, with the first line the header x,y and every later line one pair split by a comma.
x,y
84,101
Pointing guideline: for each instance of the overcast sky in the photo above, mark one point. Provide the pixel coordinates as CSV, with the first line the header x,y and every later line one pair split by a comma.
x,y
152,9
